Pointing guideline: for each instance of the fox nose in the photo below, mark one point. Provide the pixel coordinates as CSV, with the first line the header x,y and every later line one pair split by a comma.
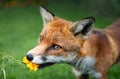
x,y
29,57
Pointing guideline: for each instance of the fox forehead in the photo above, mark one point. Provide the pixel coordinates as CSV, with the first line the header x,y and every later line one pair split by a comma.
x,y
58,32
57,25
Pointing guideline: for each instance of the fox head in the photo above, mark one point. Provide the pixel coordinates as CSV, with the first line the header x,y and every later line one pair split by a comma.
x,y
60,40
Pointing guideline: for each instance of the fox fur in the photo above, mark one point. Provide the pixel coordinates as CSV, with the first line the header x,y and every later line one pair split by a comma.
x,y
91,52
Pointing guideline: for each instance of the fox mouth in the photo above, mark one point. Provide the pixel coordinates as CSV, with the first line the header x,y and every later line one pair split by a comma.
x,y
45,65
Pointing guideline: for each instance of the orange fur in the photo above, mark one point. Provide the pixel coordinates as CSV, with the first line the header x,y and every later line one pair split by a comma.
x,y
103,45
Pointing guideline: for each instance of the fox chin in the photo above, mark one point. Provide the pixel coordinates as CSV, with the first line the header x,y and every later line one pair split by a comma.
x,y
90,52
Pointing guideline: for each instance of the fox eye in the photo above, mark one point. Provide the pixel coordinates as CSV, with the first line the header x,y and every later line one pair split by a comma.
x,y
41,38
55,47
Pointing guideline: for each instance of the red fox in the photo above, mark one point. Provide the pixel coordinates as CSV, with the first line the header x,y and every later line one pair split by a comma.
x,y
90,52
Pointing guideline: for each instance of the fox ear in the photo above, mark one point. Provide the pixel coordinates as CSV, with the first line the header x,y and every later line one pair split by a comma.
x,y
83,27
47,16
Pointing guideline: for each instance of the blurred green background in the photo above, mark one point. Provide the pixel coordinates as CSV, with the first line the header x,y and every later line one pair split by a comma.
x,y
21,23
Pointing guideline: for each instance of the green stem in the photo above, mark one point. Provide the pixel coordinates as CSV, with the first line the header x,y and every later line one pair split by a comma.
x,y
4,73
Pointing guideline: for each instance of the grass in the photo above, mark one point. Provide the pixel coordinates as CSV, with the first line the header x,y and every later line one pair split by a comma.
x,y
19,30
8,60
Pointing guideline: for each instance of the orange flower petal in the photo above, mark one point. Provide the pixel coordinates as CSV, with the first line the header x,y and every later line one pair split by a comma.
x,y
30,65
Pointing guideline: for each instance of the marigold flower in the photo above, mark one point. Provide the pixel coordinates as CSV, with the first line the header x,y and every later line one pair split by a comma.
x,y
30,65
